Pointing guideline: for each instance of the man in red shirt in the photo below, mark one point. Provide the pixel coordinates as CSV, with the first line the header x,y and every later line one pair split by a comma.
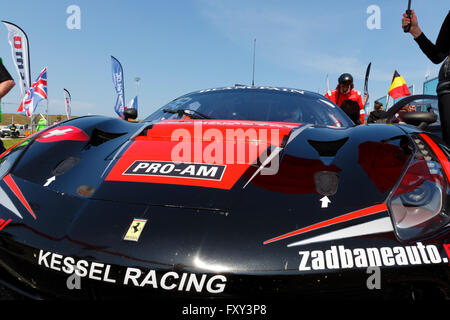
x,y
345,91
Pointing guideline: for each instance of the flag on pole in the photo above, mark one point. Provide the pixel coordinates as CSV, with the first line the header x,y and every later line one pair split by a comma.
x,y
34,95
20,54
68,101
117,77
133,104
398,88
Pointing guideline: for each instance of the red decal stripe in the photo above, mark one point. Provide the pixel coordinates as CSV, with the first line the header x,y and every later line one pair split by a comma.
x,y
3,223
14,188
346,217
439,154
447,249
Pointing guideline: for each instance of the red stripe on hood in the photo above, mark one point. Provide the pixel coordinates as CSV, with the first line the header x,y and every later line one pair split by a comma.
x,y
165,138
346,217
15,189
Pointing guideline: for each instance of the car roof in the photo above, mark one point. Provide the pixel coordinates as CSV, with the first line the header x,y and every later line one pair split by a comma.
x,y
258,88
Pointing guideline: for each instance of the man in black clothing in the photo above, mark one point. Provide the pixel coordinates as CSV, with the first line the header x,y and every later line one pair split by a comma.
x,y
6,84
377,114
436,53
351,108
6,81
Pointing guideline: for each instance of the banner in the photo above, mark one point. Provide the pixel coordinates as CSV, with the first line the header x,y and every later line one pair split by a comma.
x,y
20,54
117,76
68,101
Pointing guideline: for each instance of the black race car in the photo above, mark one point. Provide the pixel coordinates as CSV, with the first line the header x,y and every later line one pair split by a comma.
x,y
228,192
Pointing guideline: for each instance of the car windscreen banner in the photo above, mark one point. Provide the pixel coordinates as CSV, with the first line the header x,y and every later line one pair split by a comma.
x,y
67,101
20,54
117,76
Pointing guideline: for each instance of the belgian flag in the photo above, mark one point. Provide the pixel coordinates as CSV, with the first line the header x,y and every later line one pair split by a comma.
x,y
398,88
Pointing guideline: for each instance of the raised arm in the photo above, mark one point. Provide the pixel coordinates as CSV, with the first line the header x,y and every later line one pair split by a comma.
x,y
435,52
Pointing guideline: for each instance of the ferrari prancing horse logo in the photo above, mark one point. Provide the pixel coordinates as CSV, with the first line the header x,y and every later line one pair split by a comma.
x,y
135,230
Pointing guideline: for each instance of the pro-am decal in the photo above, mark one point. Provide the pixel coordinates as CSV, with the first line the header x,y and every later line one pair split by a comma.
x,y
130,276
200,153
177,170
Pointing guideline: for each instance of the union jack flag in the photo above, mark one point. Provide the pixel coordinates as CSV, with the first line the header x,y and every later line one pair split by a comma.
x,y
34,95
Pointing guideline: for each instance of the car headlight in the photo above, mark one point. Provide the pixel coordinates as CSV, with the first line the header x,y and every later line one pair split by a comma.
x,y
418,203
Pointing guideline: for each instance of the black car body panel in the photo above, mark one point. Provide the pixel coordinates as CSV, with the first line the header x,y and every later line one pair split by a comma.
x,y
68,206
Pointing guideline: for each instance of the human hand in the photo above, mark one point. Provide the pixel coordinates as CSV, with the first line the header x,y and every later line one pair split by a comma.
x,y
413,22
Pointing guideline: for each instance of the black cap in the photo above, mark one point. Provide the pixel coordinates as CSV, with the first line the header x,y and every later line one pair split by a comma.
x,y
345,77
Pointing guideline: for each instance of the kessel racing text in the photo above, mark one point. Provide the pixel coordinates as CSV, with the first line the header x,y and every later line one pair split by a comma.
x,y
171,280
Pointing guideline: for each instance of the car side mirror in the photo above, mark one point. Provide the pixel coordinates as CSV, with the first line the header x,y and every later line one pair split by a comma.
x,y
419,119
130,114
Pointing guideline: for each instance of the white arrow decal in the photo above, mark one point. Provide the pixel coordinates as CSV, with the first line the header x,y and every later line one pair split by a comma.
x,y
325,201
49,181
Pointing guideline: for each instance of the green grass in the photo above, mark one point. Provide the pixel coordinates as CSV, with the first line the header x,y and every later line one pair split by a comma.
x,y
10,142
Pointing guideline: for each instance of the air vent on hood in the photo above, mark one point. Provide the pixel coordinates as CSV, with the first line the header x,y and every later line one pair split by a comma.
x,y
99,137
327,148
65,166
326,182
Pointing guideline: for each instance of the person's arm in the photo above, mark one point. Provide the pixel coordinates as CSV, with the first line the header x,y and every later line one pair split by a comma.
x,y
331,96
435,52
6,81
5,87
362,111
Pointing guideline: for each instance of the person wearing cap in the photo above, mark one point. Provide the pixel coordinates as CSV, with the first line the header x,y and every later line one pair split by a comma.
x,y
345,91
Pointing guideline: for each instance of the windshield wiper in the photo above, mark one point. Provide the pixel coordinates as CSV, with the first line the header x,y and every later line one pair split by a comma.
x,y
187,112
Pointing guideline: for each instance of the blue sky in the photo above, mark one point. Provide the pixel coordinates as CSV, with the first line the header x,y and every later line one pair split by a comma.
x,y
177,47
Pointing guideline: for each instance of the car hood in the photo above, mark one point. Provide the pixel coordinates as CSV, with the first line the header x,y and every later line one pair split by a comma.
x,y
78,187
215,164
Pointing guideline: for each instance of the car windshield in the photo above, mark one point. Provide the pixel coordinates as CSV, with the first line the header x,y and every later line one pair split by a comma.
x,y
428,105
278,105
424,105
